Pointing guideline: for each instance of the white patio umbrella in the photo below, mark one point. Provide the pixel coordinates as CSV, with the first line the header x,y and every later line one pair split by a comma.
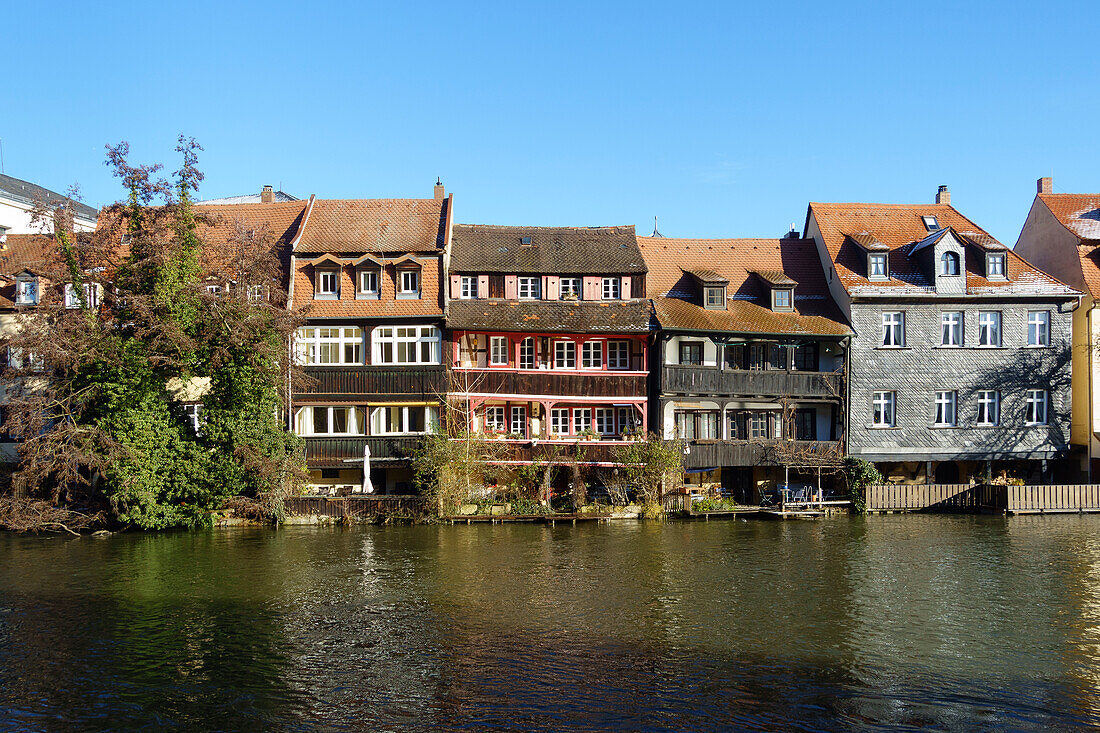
x,y
368,487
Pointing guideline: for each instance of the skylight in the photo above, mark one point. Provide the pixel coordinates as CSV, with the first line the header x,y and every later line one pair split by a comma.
x,y
930,223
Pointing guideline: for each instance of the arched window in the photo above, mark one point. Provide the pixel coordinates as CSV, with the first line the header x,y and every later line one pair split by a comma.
x,y
949,263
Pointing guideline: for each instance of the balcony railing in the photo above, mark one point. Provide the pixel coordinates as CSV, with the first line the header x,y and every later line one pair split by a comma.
x,y
603,383
385,381
332,452
701,380
800,453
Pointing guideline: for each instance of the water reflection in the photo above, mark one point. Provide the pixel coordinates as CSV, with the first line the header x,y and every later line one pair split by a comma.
x,y
944,622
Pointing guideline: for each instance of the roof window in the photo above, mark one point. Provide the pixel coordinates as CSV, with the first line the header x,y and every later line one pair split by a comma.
x,y
525,240
931,223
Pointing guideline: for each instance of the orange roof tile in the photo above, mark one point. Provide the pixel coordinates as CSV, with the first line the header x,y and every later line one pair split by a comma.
x,y
429,303
27,251
1078,212
375,225
677,305
898,226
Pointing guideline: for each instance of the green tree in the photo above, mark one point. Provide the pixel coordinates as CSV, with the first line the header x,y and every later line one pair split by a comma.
x,y
651,465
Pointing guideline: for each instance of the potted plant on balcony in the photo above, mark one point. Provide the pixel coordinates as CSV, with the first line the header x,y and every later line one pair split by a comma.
x,y
588,434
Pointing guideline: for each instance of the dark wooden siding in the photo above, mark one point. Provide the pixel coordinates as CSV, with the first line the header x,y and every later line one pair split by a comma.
x,y
603,384
331,452
336,382
711,381
714,454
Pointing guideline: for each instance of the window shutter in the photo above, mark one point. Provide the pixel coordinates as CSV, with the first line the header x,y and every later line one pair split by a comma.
x,y
626,288
593,288
511,286
456,287
483,286
551,287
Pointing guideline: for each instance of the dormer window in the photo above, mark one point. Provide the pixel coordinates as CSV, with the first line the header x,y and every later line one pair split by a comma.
x,y
530,288
408,284
366,283
26,290
949,264
570,288
782,299
995,266
716,297
612,288
326,285
931,223
467,287
876,266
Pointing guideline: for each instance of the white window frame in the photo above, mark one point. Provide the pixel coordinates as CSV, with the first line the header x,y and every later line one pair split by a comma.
x,y
884,413
618,354
582,419
604,420
1037,407
565,354
783,299
498,350
893,330
26,291
312,343
876,266
952,328
612,288
429,418
989,329
529,288
91,295
592,355
995,264
397,340
35,362
496,419
467,287
989,408
570,288
362,276
528,353
353,414
517,423
947,409
408,283
193,412
559,421
950,260
1038,328
326,283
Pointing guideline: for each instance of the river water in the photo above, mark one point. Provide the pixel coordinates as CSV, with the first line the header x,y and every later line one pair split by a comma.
x,y
910,622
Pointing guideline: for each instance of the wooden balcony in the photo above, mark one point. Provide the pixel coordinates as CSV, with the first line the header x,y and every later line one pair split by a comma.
x,y
711,381
386,382
801,453
563,452
331,452
536,382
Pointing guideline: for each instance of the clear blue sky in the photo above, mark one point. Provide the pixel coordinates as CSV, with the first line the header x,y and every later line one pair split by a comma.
x,y
721,118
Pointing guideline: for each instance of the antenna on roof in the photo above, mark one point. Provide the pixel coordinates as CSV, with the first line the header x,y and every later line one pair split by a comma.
x,y
1,155
655,232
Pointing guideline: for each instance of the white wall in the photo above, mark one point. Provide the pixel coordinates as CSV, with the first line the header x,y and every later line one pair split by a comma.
x,y
15,216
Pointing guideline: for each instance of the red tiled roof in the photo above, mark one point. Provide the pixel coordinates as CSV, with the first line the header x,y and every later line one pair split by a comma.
x,y
375,225
1078,212
26,251
900,225
677,304
429,303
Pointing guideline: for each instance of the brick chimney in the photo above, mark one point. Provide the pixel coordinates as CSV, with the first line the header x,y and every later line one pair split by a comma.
x,y
267,196
1045,185
943,196
439,195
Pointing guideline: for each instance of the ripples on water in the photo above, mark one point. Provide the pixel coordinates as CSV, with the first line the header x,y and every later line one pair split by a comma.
x,y
916,622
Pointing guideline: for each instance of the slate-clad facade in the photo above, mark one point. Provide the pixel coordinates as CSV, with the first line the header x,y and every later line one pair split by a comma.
x,y
750,360
960,363
549,336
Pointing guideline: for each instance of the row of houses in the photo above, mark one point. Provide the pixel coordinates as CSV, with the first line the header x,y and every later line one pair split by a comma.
x,y
902,334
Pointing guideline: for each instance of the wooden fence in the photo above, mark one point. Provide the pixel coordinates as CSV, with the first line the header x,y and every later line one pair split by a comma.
x,y
357,506
1028,499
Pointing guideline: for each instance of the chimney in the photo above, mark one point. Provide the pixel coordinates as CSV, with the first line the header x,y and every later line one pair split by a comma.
x,y
1045,185
943,196
267,196
439,195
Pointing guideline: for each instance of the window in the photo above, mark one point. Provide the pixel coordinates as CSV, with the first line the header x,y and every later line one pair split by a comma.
x,y
605,420
34,362
805,424
691,352
91,295
612,288
805,358
403,419
193,414
406,345
468,287
685,425
367,283
882,409
989,407
989,328
781,299
570,288
316,345
708,426
582,419
734,356
409,281
946,408
257,293
565,355
618,354
327,285
777,357
628,420
530,288
519,421
949,263
716,298
527,353
1037,400
559,421
995,266
330,420
876,266
592,355
951,326
758,425
26,291
1038,328
931,223
496,286
498,350
494,420
893,328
